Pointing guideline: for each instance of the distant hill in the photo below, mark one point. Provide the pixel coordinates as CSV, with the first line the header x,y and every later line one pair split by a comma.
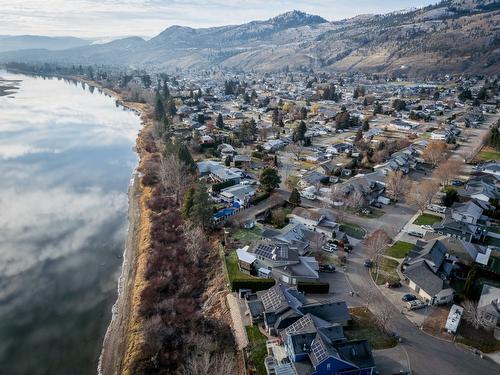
x,y
23,42
452,36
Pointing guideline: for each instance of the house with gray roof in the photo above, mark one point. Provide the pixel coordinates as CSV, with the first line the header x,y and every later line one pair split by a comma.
x,y
468,212
281,306
489,305
427,270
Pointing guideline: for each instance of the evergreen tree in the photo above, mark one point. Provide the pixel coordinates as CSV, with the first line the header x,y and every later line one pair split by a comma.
x,y
300,132
378,109
269,179
201,209
159,111
366,125
220,121
276,116
294,198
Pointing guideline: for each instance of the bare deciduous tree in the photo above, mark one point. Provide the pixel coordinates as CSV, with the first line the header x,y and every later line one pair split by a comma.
x,y
195,242
174,175
447,170
434,152
355,200
296,149
337,196
474,316
384,315
421,194
397,183
205,363
376,242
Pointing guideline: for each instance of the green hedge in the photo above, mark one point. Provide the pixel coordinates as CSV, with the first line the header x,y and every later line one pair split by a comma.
x,y
254,284
313,287
222,185
239,280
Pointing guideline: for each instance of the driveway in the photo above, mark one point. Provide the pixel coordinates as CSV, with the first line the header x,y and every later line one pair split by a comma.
x,y
427,355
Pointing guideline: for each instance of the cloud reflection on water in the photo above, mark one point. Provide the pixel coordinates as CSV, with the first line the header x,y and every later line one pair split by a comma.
x,y
66,161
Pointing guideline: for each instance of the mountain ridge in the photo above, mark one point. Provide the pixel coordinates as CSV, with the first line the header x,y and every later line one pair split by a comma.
x,y
451,36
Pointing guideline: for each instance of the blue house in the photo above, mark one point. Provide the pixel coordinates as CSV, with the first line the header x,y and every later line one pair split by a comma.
x,y
318,347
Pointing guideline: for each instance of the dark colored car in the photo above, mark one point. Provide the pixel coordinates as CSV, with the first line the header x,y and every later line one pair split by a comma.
x,y
394,284
408,298
368,263
456,183
377,204
327,267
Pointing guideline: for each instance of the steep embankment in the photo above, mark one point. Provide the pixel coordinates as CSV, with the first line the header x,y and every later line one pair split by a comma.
x,y
123,340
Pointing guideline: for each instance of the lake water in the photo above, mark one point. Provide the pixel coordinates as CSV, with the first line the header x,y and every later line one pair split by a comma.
x,y
66,160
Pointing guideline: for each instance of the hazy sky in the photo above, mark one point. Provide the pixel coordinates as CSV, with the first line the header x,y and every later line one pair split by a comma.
x,y
109,18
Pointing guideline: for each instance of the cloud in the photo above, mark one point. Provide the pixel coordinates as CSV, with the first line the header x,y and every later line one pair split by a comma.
x,y
105,18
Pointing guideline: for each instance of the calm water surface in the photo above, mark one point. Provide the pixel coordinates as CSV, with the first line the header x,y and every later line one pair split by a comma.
x,y
66,159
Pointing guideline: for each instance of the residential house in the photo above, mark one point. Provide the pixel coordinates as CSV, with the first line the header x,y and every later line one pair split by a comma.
x,y
281,306
489,305
468,212
427,270
273,145
458,229
402,125
491,168
317,347
483,188
241,194
315,220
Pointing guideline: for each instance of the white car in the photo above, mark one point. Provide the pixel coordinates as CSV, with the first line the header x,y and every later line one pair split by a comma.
x,y
329,248
427,227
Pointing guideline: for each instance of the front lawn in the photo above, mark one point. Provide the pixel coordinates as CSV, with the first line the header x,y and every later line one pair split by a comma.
x,y
386,271
353,230
400,249
487,154
427,219
258,350
364,325
247,235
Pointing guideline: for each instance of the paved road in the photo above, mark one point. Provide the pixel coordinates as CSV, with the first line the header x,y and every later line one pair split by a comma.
x,y
427,354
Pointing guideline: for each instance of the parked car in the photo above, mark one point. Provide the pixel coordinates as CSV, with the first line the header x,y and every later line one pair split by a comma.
x,y
327,267
408,297
415,304
456,183
377,204
416,234
329,248
436,208
394,284
427,227
368,263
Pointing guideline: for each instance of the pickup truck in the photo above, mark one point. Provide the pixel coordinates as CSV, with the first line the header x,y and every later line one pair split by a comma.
x,y
415,304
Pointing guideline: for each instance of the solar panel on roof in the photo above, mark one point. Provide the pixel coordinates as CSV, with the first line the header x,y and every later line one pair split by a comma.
x,y
271,300
318,350
299,325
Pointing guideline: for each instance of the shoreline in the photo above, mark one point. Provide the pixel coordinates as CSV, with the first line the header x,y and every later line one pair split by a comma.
x,y
122,340
113,346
